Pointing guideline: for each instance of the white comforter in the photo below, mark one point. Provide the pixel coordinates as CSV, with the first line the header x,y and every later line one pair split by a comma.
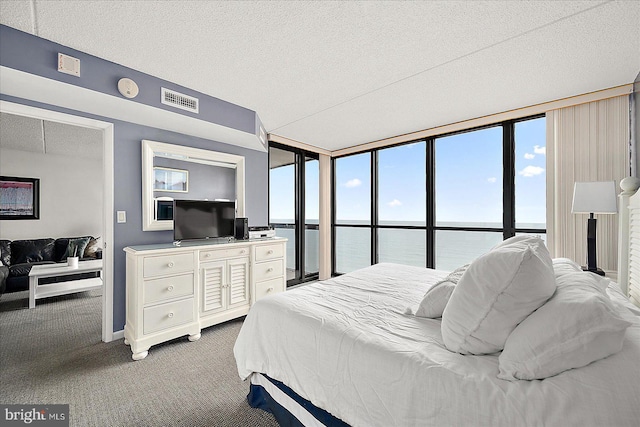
x,y
347,345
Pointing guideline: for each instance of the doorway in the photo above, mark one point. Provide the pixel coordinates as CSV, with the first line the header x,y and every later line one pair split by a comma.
x,y
106,130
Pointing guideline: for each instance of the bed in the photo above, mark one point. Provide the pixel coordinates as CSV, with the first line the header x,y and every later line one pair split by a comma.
x,y
351,351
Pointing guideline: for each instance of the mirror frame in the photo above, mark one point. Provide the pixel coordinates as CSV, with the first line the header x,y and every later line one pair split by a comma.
x,y
149,223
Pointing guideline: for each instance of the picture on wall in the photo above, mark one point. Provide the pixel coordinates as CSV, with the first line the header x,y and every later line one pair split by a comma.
x,y
167,179
19,198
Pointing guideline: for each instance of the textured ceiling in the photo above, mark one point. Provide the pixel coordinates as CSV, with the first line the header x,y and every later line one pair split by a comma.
x,y
338,74
38,136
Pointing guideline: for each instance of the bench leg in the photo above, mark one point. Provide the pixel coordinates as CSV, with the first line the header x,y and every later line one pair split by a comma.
x,y
33,284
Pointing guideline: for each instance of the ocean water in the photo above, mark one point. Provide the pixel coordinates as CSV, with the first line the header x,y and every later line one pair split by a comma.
x,y
402,246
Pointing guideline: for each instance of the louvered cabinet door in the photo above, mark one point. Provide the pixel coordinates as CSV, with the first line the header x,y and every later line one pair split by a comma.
x,y
213,277
238,282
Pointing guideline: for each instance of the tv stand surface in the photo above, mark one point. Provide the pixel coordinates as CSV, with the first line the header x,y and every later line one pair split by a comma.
x,y
174,290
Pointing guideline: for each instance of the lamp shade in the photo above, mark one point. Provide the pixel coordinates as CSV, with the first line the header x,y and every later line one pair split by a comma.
x,y
595,197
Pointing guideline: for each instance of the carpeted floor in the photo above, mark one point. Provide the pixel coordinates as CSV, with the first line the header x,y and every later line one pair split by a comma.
x,y
53,354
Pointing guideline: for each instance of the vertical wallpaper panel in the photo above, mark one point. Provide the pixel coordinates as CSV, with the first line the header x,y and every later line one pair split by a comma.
x,y
589,142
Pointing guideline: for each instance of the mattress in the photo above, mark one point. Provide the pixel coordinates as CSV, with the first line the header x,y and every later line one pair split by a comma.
x,y
347,345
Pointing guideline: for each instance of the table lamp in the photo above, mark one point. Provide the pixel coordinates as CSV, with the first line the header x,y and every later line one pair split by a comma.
x,y
594,198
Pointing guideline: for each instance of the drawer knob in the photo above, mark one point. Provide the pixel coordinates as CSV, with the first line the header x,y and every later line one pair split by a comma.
x,y
242,251
270,289
270,252
170,288
171,264
170,315
208,255
269,270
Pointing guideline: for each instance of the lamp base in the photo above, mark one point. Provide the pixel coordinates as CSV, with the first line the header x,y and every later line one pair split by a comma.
x,y
597,271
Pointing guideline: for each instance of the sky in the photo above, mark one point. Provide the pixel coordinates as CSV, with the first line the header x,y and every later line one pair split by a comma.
x,y
468,180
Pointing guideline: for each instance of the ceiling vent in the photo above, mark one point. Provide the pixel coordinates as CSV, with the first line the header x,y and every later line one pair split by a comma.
x,y
179,100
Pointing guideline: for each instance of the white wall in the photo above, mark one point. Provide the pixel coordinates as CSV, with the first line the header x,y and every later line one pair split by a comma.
x,y
70,195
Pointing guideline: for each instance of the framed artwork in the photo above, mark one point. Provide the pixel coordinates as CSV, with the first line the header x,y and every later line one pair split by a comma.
x,y
19,198
167,179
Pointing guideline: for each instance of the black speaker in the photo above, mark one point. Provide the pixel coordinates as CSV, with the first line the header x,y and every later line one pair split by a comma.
x,y
242,229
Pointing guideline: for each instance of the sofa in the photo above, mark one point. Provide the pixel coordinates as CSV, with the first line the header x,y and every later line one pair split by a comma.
x,y
18,256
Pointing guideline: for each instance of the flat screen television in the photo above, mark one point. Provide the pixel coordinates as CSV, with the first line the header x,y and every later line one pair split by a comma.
x,y
203,219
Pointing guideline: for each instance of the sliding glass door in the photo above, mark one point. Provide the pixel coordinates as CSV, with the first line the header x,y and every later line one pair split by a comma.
x,y
294,210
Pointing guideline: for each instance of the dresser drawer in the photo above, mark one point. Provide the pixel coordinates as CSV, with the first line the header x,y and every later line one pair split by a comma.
x,y
167,264
224,253
166,288
266,252
165,316
268,270
269,287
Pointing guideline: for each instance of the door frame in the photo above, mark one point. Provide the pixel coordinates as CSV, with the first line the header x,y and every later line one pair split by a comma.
x,y
107,166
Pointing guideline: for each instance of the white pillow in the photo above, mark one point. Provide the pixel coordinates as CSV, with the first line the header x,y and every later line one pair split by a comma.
x,y
436,299
498,291
577,326
516,239
564,265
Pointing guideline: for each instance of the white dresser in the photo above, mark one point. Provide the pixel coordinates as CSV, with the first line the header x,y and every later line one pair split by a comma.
x,y
174,291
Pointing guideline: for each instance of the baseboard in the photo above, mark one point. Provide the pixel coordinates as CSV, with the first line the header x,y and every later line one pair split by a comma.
x,y
118,334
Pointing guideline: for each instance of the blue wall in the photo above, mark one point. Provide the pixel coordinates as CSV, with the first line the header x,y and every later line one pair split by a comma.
x,y
31,54
38,56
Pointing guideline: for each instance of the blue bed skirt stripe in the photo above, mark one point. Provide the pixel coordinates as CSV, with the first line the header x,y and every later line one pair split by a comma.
x,y
259,398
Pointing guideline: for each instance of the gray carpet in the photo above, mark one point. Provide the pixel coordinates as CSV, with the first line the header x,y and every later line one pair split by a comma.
x,y
53,354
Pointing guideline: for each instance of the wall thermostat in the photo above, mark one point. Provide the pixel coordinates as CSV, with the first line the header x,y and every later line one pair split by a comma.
x,y
127,87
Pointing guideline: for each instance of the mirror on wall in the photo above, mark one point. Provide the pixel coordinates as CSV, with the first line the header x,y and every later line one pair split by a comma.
x,y
172,172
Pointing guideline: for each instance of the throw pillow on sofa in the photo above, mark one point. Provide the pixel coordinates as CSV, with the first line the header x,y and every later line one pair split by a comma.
x,y
76,247
92,249
5,252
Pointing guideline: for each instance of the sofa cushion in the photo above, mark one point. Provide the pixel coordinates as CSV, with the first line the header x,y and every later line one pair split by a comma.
x,y
23,269
31,250
5,252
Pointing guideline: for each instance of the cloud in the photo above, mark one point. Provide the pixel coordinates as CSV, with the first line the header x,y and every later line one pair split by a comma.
x,y
355,182
492,179
539,150
529,156
530,171
394,203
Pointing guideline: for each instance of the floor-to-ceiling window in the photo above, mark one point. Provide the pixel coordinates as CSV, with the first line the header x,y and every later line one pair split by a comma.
x,y
440,202
468,195
352,213
294,210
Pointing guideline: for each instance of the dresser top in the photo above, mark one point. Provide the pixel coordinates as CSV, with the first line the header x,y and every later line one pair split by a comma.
x,y
202,244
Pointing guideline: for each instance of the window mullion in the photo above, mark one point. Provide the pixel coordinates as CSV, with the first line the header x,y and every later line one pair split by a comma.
x,y
430,208
374,207
508,180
